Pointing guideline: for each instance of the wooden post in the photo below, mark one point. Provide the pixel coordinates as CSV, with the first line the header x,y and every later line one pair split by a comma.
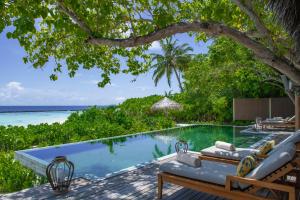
x,y
297,110
233,110
270,108
159,186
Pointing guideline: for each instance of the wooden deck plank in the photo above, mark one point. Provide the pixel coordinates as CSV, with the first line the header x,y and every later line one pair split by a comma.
x,y
44,191
181,194
136,184
100,188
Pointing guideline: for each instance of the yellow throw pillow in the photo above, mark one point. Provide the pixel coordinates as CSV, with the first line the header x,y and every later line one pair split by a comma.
x,y
266,148
245,166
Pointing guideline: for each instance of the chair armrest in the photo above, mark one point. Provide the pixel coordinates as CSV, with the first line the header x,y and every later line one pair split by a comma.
x,y
217,159
258,183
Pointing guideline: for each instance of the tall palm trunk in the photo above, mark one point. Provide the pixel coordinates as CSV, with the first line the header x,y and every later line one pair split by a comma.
x,y
178,79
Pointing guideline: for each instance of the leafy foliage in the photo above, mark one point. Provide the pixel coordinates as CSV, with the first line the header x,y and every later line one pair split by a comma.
x,y
14,177
228,71
48,33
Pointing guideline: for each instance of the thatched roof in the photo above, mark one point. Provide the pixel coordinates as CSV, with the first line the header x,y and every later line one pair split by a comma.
x,y
166,104
287,13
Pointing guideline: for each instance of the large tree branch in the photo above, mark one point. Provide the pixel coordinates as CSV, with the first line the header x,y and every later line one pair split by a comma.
x,y
247,7
74,17
263,53
281,64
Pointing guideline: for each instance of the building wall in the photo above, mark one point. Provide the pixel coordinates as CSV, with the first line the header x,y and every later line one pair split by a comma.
x,y
250,108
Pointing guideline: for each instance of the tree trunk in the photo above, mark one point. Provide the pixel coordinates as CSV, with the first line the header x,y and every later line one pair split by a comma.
x,y
286,87
178,79
297,110
291,96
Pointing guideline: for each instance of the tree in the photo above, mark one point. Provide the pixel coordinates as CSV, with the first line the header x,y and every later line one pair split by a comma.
x,y
97,33
174,59
227,71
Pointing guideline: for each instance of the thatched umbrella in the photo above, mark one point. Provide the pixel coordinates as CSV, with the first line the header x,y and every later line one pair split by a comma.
x,y
166,104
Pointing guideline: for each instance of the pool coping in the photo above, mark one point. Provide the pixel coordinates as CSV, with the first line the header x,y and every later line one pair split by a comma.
x,y
127,135
39,166
252,131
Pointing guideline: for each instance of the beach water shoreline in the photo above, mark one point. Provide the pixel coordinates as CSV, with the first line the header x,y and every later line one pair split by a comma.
x,y
33,115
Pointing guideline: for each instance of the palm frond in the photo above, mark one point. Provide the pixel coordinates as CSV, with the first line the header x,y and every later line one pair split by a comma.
x,y
287,12
175,56
159,75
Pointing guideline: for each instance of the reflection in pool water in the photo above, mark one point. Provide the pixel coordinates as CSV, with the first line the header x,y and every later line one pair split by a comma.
x,y
97,158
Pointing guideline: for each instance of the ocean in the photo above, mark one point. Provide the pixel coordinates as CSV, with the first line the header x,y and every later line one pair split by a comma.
x,y
25,115
9,109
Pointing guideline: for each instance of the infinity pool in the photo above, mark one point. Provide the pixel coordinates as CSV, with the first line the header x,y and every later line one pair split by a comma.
x,y
95,159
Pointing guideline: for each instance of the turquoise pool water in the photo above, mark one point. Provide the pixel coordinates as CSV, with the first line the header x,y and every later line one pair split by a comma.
x,y
100,157
25,118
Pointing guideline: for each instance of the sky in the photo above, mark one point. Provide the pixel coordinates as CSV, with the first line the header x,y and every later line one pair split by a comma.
x,y
21,84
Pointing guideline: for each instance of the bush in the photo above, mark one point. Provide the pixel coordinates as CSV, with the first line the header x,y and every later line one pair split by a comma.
x,y
13,176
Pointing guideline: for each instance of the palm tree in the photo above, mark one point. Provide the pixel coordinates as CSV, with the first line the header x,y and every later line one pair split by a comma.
x,y
175,59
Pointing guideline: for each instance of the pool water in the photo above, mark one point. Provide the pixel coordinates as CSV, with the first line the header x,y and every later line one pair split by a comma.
x,y
97,158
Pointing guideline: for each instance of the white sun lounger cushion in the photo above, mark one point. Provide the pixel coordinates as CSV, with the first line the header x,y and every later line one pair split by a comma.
x,y
294,138
189,159
225,146
238,154
209,171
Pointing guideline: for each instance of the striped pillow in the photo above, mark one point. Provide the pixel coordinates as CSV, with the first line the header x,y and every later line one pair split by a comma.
x,y
266,147
245,166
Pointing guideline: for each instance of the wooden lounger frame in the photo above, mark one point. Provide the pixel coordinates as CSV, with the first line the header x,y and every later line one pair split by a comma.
x,y
226,160
218,159
283,125
269,182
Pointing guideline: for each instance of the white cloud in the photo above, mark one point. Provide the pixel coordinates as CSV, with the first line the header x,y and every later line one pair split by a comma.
x,y
155,46
14,86
12,89
14,93
77,75
94,82
119,99
144,88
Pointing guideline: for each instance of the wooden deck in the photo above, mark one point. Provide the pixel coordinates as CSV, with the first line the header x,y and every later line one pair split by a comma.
x,y
140,183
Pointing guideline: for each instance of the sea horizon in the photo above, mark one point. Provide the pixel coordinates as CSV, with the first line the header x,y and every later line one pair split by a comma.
x,y
45,108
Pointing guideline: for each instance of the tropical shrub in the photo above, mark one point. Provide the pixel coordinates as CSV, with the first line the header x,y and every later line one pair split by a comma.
x,y
13,176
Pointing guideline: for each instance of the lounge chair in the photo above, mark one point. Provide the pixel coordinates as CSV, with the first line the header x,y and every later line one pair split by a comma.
x,y
233,157
220,178
278,123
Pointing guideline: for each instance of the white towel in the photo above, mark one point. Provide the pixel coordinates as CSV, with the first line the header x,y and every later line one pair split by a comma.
x,y
225,146
188,159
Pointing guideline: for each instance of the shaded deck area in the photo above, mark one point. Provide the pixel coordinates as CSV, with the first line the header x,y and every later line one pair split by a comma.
x,y
139,183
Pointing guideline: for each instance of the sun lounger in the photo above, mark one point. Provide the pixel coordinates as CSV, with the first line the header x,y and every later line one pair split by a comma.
x,y
278,123
220,178
233,157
